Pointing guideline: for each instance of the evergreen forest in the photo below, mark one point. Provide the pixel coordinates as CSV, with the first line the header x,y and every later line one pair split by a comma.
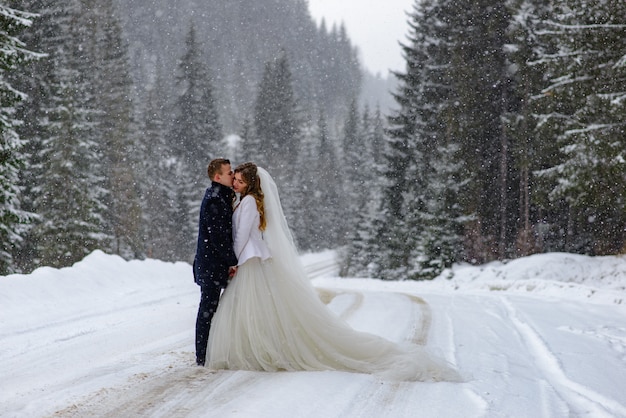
x,y
506,138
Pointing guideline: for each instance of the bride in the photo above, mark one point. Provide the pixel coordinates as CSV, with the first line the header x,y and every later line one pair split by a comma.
x,y
270,317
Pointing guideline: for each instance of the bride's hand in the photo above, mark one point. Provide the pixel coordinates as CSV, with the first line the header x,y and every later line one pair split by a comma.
x,y
232,271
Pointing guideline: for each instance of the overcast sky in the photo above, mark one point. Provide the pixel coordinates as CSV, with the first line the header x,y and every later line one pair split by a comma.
x,y
375,26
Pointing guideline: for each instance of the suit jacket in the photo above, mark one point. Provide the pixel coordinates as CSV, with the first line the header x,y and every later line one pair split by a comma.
x,y
214,251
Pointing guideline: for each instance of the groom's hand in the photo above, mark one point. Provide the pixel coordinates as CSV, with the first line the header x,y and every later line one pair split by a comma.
x,y
231,271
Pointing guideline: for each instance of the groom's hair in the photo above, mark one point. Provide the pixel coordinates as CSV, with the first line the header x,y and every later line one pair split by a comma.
x,y
215,166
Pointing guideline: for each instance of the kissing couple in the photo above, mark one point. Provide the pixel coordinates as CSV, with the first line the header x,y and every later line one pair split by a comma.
x,y
258,303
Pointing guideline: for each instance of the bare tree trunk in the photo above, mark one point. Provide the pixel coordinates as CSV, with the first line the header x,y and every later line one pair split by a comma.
x,y
525,239
504,152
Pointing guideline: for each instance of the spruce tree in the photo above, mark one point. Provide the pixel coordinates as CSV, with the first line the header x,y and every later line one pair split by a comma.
x,y
326,71
116,127
307,196
194,138
246,148
440,242
477,36
275,119
435,215
13,55
353,177
402,205
519,122
157,181
69,199
353,181
328,195
315,200
363,193
277,129
32,111
586,94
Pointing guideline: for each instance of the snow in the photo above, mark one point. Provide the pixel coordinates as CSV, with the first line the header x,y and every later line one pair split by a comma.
x,y
541,336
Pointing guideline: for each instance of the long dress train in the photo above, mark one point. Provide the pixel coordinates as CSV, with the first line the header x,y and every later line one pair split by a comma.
x,y
271,318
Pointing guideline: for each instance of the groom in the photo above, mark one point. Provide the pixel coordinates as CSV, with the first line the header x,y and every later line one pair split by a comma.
x,y
214,253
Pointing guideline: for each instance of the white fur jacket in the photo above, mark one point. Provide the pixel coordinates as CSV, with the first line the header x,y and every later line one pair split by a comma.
x,y
248,239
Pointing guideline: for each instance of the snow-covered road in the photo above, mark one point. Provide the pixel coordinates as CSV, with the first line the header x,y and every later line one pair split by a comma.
x,y
111,338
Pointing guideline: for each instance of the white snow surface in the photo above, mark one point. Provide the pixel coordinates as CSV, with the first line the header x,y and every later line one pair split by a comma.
x,y
541,336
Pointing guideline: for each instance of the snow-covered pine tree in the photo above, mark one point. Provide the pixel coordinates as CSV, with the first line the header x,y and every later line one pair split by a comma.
x,y
363,194
327,194
246,146
429,199
440,242
157,189
305,196
376,126
519,123
436,215
276,139
69,196
352,178
325,68
31,111
352,185
275,119
374,218
194,137
116,127
476,36
343,73
13,55
401,202
315,195
587,92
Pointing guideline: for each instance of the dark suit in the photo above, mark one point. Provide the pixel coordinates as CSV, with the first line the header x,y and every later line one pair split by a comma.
x,y
214,255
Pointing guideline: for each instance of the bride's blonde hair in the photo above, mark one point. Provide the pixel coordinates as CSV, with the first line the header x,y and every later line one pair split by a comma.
x,y
249,175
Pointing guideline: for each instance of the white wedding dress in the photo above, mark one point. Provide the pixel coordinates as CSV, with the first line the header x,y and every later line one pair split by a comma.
x,y
271,318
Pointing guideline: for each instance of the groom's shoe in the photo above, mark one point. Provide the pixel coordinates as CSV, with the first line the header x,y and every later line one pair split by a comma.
x,y
200,362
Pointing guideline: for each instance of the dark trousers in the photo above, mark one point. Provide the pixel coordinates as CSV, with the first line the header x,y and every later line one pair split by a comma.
x,y
209,298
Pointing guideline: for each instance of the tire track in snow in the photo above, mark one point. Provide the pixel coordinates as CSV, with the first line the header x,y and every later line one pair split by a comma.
x,y
327,296
182,390
102,311
171,392
375,399
422,326
584,399
420,335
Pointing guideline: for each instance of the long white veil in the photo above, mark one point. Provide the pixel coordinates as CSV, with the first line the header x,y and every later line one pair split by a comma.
x,y
277,233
